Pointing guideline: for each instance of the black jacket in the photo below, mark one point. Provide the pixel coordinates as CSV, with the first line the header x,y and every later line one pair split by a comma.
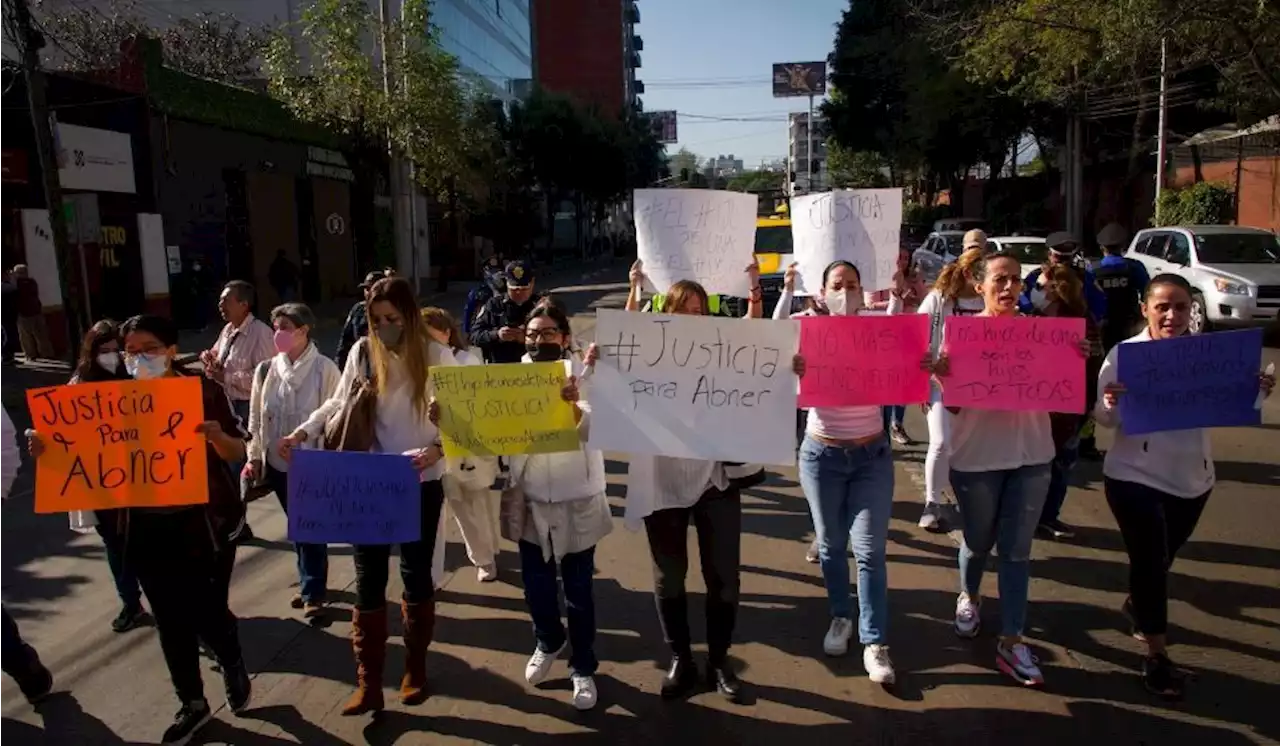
x,y
498,312
355,329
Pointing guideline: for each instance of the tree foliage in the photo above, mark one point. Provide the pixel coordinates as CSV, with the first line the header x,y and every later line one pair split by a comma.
x,y
684,160
855,169
217,46
325,75
1203,203
756,181
896,96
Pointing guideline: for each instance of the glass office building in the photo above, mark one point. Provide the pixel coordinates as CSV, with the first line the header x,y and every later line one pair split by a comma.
x,y
491,39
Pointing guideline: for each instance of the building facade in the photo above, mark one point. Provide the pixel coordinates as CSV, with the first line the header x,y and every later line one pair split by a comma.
x,y
589,50
492,39
724,165
802,181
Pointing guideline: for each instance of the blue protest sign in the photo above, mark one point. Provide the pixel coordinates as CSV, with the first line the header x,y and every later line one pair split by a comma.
x,y
344,497
1198,380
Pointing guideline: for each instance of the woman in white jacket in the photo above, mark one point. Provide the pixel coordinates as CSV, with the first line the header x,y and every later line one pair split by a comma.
x,y
566,515
286,390
1157,484
468,481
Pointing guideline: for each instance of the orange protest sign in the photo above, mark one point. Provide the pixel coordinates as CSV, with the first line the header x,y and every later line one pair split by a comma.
x,y
123,444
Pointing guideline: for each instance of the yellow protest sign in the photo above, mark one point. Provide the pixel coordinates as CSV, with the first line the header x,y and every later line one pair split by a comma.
x,y
123,444
503,410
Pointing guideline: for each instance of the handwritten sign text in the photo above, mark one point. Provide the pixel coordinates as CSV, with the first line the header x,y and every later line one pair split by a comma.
x,y
1018,363
863,360
696,234
348,497
862,226
504,410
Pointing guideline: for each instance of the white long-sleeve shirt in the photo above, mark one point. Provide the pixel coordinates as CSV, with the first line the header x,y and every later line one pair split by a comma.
x,y
399,427
1176,462
10,455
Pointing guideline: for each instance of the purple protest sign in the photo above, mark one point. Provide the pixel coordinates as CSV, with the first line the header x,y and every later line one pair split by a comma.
x,y
344,497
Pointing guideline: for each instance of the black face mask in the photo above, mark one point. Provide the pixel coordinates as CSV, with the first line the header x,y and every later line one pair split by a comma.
x,y
545,352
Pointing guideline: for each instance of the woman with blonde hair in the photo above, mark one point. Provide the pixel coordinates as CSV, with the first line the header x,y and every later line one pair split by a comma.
x,y
397,355
953,294
468,480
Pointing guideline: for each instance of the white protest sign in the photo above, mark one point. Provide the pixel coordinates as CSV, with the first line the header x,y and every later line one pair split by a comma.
x,y
862,226
695,387
696,234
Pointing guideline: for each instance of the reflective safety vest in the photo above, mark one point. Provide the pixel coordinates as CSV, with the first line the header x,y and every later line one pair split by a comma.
x,y
659,302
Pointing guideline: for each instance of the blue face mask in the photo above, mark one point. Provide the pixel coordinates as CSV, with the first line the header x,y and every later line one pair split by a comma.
x,y
144,367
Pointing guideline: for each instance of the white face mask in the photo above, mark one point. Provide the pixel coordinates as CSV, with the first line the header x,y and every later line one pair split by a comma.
x,y
146,367
1039,298
843,302
109,361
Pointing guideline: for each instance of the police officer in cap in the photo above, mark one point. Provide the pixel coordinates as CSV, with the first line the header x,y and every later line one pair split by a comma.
x,y
1123,282
499,327
1063,249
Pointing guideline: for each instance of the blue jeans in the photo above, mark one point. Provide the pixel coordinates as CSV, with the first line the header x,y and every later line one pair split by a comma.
x,y
1064,461
1000,509
126,581
850,494
542,594
313,559
894,414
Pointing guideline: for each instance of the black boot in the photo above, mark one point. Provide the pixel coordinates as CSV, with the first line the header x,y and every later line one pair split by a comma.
x,y
721,676
721,618
681,678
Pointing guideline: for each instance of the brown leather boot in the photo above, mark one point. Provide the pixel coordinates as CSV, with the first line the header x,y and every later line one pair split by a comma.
x,y
419,627
369,641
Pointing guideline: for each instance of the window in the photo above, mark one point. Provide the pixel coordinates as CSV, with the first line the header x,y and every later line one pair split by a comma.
x,y
1179,251
1238,248
1153,245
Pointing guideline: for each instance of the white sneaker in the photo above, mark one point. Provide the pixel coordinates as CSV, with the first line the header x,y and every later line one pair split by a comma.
x,y
968,616
584,692
837,640
1017,661
539,665
487,573
875,658
931,519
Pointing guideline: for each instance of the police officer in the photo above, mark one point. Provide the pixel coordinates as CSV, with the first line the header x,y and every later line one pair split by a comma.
x,y
1064,249
499,327
1123,282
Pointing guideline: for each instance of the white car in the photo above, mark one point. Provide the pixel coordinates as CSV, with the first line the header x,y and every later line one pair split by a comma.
x,y
1030,251
1234,270
938,250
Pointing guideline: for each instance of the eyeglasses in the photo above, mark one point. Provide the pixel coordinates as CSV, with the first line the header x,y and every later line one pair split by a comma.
x,y
542,335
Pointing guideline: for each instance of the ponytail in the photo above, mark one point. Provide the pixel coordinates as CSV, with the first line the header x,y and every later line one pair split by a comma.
x,y
956,276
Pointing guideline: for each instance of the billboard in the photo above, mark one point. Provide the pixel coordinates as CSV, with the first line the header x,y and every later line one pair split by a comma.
x,y
664,126
799,79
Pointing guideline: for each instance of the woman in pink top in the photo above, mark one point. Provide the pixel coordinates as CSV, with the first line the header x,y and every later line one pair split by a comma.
x,y
846,471
908,288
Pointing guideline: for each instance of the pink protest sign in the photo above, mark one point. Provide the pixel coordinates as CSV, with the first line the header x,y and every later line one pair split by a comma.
x,y
1021,363
863,360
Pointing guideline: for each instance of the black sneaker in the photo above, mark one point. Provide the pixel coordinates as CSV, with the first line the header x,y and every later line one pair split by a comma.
x,y
129,619
189,719
239,687
1055,529
1162,678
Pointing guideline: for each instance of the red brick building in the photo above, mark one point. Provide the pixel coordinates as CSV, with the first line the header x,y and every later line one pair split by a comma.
x,y
588,49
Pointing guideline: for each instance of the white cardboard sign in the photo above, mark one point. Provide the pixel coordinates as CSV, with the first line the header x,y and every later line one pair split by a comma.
x,y
695,387
696,234
862,226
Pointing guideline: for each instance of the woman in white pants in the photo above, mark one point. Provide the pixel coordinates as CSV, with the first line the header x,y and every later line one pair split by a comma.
x,y
952,295
468,481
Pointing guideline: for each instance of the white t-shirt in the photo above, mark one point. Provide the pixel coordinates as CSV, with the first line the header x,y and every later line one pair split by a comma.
x,y
991,440
1176,462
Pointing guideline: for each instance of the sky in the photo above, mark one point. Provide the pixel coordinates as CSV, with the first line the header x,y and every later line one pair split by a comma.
x,y
714,58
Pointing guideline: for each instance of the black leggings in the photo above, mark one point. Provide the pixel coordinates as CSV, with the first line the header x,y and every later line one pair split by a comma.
x,y
373,560
1154,525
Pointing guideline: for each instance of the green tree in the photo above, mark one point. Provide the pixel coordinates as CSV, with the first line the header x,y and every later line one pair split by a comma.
x,y
217,46
756,181
684,161
849,169
418,111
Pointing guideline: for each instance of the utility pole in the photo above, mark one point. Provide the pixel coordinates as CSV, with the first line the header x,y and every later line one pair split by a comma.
x,y
809,161
1161,148
30,42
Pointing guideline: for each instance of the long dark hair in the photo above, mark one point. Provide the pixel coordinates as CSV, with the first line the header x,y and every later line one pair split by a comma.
x,y
413,344
87,368
555,311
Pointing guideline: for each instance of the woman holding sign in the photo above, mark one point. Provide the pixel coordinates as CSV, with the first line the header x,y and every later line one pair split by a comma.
x,y
468,482
1000,474
100,360
566,514
397,356
953,294
1157,484
286,390
679,492
846,470
184,555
